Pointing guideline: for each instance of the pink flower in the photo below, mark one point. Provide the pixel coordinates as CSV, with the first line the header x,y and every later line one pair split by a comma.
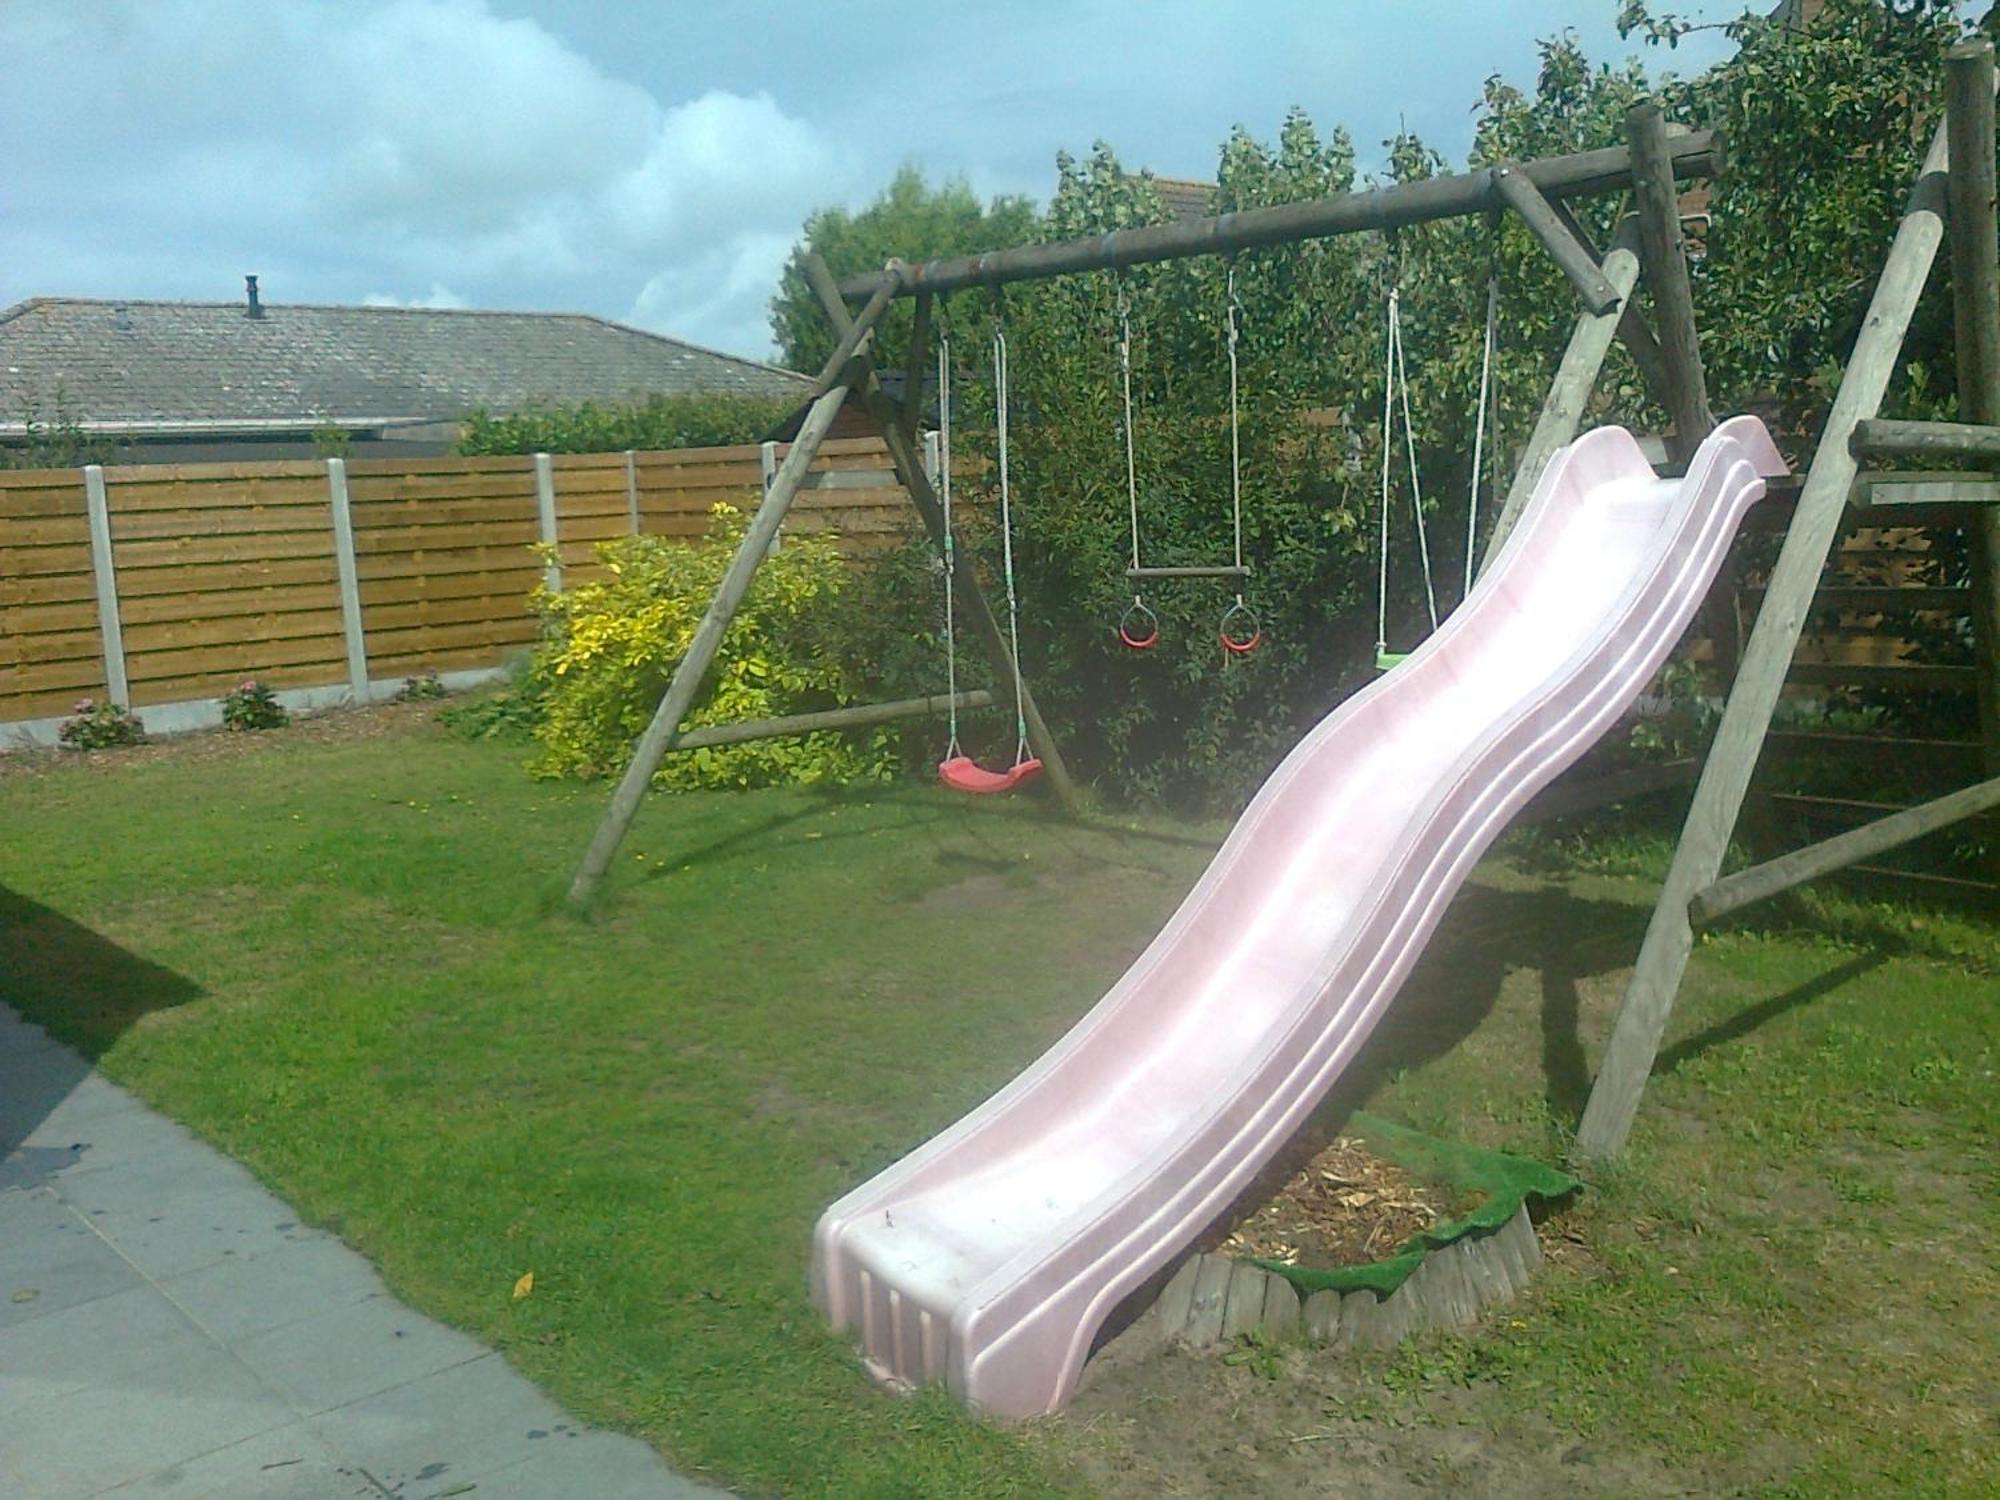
x,y
249,685
84,706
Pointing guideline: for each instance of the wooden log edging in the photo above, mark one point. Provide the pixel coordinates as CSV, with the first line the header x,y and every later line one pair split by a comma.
x,y
1212,1300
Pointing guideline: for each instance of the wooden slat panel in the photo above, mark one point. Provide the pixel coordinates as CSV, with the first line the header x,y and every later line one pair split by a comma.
x,y
243,521
153,609
468,585
516,487
384,618
34,502
52,645
473,517
488,638
75,677
271,546
249,630
133,496
500,463
238,658
24,562
217,473
182,580
377,540
215,683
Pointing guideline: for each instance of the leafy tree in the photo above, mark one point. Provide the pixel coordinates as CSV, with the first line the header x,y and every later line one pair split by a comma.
x,y
54,438
911,219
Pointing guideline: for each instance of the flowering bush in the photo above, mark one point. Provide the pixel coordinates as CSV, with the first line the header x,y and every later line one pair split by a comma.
x,y
421,688
609,648
252,705
97,726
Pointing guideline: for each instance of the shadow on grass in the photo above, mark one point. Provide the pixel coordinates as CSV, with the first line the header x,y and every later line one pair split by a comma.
x,y
85,991
1749,1019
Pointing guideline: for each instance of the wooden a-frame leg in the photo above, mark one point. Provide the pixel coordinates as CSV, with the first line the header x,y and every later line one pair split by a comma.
x,y
1718,798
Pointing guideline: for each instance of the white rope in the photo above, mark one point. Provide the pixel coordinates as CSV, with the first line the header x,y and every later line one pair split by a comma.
x,y
1007,546
1479,428
949,549
1410,444
1131,462
1235,438
1388,433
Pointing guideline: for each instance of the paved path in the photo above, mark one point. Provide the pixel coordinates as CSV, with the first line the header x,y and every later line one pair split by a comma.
x,y
169,1331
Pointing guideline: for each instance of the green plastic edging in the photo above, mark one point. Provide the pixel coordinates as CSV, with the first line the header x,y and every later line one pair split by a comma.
x,y
1505,1183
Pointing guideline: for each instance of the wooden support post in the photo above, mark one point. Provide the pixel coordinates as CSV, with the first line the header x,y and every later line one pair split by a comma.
x,y
97,510
662,733
1519,192
767,469
914,365
545,520
858,329
910,472
1665,249
857,716
1725,778
1761,882
1975,284
349,579
1569,392
1633,331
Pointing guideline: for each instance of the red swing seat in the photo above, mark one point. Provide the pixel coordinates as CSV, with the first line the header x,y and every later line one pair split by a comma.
x,y
963,774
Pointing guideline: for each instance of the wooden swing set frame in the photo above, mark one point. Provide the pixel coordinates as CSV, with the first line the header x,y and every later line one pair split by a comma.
x,y
1649,240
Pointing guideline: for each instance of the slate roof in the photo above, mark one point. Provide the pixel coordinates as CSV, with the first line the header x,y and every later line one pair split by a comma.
x,y
180,367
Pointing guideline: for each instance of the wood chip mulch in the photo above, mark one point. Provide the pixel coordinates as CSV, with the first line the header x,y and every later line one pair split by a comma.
x,y
1344,1207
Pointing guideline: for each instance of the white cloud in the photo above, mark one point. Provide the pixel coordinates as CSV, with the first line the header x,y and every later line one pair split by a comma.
x,y
341,148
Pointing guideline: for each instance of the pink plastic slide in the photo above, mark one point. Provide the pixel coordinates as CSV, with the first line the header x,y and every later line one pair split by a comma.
x,y
989,1258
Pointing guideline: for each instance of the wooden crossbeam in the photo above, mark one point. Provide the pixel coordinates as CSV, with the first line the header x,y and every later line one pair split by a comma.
x,y
855,716
1886,437
1691,154
1220,570
1761,882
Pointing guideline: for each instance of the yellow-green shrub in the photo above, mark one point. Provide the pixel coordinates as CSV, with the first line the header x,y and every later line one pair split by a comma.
x,y
610,646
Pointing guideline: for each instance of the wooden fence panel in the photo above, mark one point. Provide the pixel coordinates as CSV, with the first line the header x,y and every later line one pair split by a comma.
x,y
444,558
225,572
50,651
593,505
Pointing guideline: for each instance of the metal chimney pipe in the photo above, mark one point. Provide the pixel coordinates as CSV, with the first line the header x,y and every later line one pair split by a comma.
x,y
256,308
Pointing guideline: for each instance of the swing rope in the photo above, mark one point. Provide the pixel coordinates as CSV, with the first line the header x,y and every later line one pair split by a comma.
x,y
1395,382
949,549
1138,627
1021,756
1479,426
1234,644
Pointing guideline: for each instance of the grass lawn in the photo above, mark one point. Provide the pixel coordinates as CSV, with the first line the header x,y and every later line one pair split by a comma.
x,y
341,957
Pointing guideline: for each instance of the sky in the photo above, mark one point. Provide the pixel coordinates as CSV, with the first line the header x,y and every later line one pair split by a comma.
x,y
653,161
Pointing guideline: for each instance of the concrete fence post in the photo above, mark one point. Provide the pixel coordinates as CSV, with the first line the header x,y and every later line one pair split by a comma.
x,y
632,489
545,505
350,579
106,572
767,463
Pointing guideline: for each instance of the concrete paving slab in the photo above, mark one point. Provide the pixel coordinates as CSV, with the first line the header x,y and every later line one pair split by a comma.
x,y
242,1296
287,1463
80,1443
50,1258
169,1330
101,1340
345,1354
460,1425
